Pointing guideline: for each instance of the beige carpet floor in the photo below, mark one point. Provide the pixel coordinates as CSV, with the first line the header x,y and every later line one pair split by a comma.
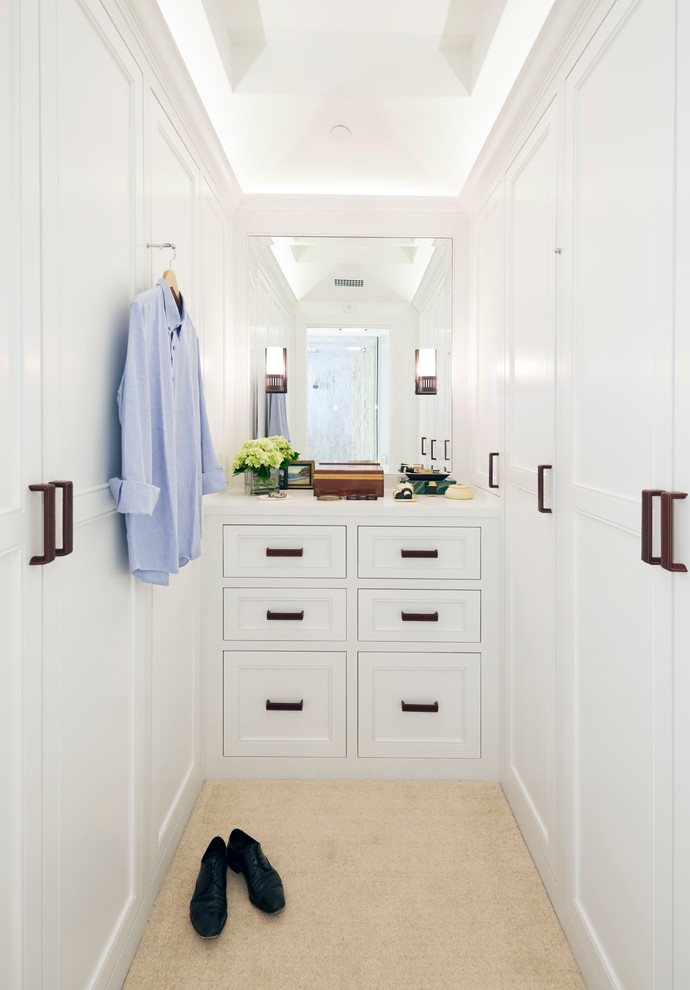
x,y
390,885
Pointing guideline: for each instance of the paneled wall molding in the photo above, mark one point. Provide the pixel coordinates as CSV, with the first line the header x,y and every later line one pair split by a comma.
x,y
146,24
559,42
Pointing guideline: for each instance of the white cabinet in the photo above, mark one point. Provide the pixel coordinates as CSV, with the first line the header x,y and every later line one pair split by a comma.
x,y
419,553
283,551
99,702
596,345
283,704
285,613
365,620
615,405
419,705
438,616
530,469
487,322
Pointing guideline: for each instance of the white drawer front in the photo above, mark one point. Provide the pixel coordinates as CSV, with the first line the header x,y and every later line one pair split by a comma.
x,y
432,616
285,614
440,693
258,686
435,552
284,551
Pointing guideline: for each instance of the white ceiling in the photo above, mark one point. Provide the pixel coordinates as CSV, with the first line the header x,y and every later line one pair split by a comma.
x,y
418,83
391,268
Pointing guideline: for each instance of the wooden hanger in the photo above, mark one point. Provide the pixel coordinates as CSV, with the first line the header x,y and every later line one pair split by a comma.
x,y
170,277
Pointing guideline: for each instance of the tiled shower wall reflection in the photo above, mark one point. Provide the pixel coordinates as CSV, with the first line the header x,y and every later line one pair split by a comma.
x,y
342,397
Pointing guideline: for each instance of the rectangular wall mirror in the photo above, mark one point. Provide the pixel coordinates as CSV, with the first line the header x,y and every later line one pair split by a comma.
x,y
351,312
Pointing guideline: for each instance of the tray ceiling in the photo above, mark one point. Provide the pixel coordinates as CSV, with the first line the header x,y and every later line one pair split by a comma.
x,y
368,97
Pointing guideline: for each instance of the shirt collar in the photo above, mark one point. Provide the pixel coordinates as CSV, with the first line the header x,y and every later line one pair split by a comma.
x,y
174,317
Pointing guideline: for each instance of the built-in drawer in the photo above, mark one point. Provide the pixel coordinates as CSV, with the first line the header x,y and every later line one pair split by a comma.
x,y
284,551
284,614
283,704
420,704
434,552
432,616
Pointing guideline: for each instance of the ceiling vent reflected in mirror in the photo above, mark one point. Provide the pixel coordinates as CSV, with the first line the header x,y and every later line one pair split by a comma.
x,y
350,283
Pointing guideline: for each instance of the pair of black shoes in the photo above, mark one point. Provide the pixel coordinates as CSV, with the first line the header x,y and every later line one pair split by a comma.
x,y
208,908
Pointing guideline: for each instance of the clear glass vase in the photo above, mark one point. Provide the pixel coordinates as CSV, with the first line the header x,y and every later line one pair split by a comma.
x,y
254,484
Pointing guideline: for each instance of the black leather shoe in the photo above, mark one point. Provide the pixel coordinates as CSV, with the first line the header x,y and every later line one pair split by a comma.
x,y
264,886
208,908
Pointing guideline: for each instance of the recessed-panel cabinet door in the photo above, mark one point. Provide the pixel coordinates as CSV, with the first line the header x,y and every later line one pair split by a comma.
x,y
174,185
681,675
616,429
487,341
21,534
530,596
91,229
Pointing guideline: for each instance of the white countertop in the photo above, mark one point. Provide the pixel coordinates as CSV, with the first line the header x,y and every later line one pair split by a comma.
x,y
438,509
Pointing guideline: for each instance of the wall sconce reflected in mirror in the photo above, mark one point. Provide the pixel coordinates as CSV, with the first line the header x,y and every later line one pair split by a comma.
x,y
425,380
276,369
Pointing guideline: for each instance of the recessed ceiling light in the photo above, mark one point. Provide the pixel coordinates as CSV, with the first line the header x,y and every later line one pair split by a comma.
x,y
341,133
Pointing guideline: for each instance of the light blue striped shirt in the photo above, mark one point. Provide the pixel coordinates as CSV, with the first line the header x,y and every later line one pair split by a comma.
x,y
168,461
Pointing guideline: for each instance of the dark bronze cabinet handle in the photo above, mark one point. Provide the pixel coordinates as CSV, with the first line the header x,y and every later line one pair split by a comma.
x,y
433,455
284,551
446,455
540,486
418,553
647,495
284,706
491,469
419,708
667,500
48,523
423,451
67,518
281,616
419,616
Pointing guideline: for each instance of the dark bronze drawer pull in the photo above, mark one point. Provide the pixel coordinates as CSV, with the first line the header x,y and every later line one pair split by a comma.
x,y
647,496
284,706
67,518
667,502
284,551
419,553
48,523
419,708
282,616
540,487
419,616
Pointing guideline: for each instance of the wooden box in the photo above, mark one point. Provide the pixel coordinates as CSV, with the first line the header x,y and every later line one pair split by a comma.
x,y
349,478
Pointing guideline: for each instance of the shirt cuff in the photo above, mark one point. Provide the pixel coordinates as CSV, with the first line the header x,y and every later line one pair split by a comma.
x,y
213,481
153,577
134,496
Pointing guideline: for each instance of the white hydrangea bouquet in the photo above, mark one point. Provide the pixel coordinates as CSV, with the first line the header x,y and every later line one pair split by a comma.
x,y
262,459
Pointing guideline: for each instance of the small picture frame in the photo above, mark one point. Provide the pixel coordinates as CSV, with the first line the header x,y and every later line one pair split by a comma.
x,y
298,474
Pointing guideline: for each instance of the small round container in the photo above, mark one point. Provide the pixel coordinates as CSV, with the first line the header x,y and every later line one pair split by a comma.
x,y
459,491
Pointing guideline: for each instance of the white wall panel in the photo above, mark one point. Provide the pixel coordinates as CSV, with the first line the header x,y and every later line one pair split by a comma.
x,y
92,177
174,700
622,207
531,661
11,767
174,185
90,756
531,301
10,335
614,746
174,182
92,169
487,332
213,323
